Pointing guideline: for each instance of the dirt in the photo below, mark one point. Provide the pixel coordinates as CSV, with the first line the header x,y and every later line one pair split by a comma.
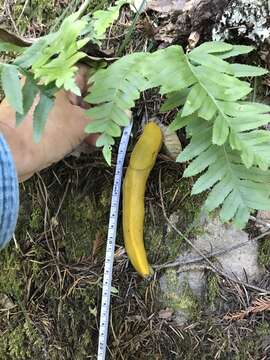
x,y
51,274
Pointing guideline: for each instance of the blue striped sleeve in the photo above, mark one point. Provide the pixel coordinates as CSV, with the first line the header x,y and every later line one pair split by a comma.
x,y
9,194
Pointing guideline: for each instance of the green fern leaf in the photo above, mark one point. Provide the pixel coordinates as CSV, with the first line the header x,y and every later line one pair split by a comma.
x,y
220,130
31,54
115,90
205,159
174,99
29,92
179,122
168,69
208,109
243,108
241,70
226,148
212,47
212,62
107,153
248,121
239,190
195,99
103,19
235,51
12,87
221,86
199,142
41,114
104,140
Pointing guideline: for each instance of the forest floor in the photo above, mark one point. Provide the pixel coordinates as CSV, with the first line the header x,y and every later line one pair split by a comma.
x,y
51,275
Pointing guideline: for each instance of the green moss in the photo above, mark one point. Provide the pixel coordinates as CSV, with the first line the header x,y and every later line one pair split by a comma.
x,y
213,290
264,252
263,329
74,323
84,219
163,243
36,218
246,348
42,13
22,342
179,297
11,278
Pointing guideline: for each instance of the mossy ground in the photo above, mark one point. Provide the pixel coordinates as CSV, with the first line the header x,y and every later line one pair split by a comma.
x,y
51,275
264,252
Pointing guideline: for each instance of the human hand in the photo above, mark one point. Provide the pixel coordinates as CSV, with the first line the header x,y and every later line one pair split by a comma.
x,y
64,131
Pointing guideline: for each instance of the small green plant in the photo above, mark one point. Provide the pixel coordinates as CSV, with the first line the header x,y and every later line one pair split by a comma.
x,y
49,64
227,146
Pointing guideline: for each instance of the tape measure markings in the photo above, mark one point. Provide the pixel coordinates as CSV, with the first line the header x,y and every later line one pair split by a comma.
x,y
109,257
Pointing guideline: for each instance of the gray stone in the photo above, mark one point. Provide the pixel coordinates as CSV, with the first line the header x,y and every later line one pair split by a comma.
x,y
182,290
242,262
244,19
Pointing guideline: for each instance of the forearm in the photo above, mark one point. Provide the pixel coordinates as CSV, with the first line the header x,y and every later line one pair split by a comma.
x,y
9,194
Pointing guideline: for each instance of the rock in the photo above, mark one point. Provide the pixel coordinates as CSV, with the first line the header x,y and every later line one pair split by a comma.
x,y
198,16
243,19
240,263
183,290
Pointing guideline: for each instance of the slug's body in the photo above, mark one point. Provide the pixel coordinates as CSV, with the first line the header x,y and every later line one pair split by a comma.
x,y
142,160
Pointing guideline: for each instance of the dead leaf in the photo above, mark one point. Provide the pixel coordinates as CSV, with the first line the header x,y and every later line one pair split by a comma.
x,y
193,39
5,302
171,142
263,220
97,244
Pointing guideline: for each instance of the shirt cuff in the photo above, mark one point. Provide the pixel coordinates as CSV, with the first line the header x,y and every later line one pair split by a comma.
x,y
9,194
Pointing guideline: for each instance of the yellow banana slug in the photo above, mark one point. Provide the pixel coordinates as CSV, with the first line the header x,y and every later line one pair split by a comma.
x,y
143,158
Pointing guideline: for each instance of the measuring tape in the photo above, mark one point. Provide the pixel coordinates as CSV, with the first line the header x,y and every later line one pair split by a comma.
x,y
107,278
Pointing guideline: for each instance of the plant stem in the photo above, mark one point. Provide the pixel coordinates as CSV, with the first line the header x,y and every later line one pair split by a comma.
x,y
131,29
83,7
65,13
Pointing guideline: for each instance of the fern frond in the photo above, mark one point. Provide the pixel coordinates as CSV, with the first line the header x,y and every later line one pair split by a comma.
x,y
119,84
104,18
116,88
216,94
227,150
168,69
239,189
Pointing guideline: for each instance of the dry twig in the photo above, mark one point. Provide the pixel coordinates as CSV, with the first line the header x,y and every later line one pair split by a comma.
x,y
258,305
210,254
